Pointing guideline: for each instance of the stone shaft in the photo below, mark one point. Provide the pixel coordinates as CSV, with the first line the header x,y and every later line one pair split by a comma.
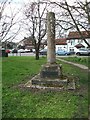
x,y
51,57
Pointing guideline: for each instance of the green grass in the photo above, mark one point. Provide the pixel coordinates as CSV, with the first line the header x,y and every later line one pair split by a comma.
x,y
0,87
80,60
16,69
22,103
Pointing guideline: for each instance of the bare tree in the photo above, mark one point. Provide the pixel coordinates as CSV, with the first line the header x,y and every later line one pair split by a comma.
x,y
35,23
9,27
76,16
85,14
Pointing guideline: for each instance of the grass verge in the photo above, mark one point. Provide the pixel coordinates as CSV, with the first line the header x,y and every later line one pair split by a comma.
x,y
21,103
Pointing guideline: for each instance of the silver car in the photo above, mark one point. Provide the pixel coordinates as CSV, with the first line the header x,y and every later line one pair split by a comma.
x,y
83,51
43,52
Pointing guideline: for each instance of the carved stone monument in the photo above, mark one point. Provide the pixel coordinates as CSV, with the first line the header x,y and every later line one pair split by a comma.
x,y
51,57
51,73
51,69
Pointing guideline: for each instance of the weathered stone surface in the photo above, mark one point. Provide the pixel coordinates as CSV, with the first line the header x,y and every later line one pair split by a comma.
x,y
51,76
51,71
55,84
51,57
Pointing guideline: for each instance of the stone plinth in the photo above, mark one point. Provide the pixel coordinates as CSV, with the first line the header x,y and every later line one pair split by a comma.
x,y
51,71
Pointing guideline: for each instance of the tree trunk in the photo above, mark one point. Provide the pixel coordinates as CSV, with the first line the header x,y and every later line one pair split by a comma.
x,y
37,54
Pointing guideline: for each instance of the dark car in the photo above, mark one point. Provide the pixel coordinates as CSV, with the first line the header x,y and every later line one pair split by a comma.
x,y
43,52
71,52
14,51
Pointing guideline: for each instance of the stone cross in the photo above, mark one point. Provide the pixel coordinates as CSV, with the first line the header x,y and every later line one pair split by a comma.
x,y
51,76
51,69
51,57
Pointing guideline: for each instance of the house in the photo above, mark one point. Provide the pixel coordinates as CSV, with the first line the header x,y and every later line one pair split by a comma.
x,y
74,40
60,43
27,43
72,43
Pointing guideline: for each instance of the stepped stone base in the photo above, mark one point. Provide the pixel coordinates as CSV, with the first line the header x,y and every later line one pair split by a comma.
x,y
51,77
52,84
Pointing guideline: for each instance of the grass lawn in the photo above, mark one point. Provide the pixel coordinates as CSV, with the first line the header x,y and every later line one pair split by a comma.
x,y
0,87
76,59
22,103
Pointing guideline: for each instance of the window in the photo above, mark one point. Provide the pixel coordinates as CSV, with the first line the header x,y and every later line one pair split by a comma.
x,y
80,41
71,49
68,41
72,42
59,48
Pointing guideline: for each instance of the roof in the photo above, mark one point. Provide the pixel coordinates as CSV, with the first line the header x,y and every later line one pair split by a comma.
x,y
79,46
59,41
26,40
76,35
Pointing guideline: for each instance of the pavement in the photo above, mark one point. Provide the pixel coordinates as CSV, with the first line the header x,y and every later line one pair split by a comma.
x,y
75,64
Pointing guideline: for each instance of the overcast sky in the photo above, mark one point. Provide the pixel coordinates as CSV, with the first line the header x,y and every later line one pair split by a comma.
x,y
17,4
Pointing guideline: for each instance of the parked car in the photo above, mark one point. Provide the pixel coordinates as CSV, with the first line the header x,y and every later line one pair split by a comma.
x,y
8,51
83,51
33,50
21,51
43,52
14,51
62,52
71,52
28,50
